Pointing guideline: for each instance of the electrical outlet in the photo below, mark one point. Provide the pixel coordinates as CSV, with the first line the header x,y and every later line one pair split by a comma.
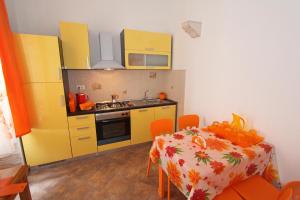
x,y
80,87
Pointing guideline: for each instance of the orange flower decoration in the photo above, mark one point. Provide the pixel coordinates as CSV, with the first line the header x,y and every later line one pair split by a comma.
x,y
160,143
270,173
194,177
251,154
236,178
216,144
174,174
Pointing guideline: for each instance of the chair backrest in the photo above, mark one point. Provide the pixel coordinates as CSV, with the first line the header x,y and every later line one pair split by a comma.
x,y
188,121
161,126
292,188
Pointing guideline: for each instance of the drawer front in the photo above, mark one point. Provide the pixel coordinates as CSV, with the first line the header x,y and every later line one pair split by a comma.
x,y
84,145
81,120
82,131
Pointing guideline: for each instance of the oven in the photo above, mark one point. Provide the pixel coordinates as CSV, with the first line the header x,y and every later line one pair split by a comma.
x,y
113,127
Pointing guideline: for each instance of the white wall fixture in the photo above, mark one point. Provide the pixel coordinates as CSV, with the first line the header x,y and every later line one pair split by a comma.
x,y
193,28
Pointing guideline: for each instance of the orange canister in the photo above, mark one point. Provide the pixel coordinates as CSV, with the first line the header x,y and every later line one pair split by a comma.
x,y
162,96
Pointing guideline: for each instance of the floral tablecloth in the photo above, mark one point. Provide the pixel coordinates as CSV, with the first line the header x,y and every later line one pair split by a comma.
x,y
203,173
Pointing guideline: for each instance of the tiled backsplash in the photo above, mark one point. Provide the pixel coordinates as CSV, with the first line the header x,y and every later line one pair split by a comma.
x,y
129,84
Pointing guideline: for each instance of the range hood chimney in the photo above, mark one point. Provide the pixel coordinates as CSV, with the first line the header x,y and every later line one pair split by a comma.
x,y
107,61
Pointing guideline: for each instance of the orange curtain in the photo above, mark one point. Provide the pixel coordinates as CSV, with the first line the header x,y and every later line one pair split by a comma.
x,y
10,72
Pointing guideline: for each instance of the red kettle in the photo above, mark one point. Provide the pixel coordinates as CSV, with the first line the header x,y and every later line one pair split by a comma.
x,y
81,98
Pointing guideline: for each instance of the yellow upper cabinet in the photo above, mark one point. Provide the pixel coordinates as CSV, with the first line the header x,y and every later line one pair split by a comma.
x,y
41,57
146,50
75,45
147,41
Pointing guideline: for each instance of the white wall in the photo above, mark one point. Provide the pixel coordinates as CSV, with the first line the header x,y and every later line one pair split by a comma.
x,y
247,61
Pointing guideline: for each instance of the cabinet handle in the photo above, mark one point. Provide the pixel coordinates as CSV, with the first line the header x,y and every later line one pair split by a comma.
x,y
82,128
59,73
81,117
165,107
144,110
87,62
149,49
62,100
84,138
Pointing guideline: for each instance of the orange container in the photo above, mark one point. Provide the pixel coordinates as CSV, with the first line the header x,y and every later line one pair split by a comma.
x,y
162,96
72,103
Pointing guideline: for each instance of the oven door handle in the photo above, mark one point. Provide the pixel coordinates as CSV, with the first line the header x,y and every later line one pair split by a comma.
x,y
114,120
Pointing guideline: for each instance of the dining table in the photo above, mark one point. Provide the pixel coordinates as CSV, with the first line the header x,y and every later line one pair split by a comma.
x,y
203,173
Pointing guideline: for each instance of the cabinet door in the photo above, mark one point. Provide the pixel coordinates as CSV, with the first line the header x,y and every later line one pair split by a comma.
x,y
166,112
147,41
41,58
75,45
140,125
43,146
147,60
84,145
46,105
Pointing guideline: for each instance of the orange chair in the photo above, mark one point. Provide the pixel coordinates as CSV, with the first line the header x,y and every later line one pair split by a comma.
x,y
186,121
159,127
228,194
257,188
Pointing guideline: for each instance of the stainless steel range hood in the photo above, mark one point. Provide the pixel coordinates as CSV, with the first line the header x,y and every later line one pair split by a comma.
x,y
107,61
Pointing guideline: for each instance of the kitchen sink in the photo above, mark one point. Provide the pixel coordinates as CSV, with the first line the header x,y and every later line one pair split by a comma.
x,y
152,101
147,102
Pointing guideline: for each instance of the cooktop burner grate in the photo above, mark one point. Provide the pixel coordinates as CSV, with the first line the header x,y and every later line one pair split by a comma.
x,y
112,105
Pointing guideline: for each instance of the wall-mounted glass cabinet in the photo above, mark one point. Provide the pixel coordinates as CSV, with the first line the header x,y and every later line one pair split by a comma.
x,y
146,50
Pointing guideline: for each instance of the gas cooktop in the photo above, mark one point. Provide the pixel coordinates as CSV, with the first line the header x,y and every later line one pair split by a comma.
x,y
112,105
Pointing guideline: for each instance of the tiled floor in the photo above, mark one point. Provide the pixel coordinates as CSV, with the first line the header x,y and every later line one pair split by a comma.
x,y
113,175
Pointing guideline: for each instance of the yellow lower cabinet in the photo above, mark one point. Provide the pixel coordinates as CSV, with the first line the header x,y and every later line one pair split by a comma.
x,y
166,112
43,146
140,124
83,140
84,145
81,120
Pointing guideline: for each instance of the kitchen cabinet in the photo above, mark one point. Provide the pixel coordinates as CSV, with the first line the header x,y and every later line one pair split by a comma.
x,y
146,50
147,41
41,58
46,105
43,146
49,139
81,120
83,134
75,45
166,112
140,120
